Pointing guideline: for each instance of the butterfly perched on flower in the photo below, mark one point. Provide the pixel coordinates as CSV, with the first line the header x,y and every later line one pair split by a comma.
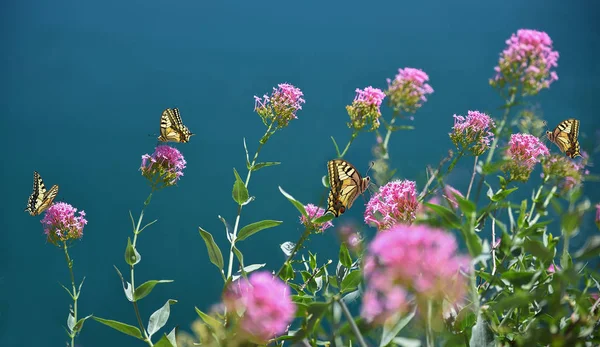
x,y
346,184
565,137
41,198
172,128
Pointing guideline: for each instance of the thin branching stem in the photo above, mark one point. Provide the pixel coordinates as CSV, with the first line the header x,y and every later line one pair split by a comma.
x,y
74,293
472,177
355,330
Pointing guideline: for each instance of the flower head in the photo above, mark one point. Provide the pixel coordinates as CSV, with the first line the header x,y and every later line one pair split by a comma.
x,y
61,223
523,153
473,132
281,106
164,166
395,202
314,212
395,271
565,173
263,305
350,235
598,215
527,61
408,91
365,109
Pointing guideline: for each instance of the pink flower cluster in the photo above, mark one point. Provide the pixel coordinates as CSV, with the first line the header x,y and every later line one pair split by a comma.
x,y
314,212
61,224
473,132
166,165
350,235
365,109
566,173
281,107
524,152
395,202
411,262
598,215
527,60
264,304
409,89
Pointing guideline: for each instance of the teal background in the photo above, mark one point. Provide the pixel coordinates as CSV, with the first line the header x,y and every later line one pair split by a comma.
x,y
84,83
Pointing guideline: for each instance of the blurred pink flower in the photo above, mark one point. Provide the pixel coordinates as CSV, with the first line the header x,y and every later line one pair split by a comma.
x,y
281,106
264,304
473,132
365,109
553,268
417,262
523,153
564,172
166,164
61,224
395,202
450,195
350,235
527,61
408,91
314,212
598,215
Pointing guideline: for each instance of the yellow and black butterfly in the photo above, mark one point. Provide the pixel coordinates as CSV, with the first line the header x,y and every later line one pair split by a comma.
x,y
40,199
565,137
346,184
172,128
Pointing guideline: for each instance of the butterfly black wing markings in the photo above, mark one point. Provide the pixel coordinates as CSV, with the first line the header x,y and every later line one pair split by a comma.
x,y
40,199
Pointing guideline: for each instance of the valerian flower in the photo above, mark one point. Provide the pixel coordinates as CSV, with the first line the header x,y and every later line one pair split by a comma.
x,y
365,109
473,133
527,61
523,153
281,106
564,172
164,166
411,264
61,224
314,212
396,202
408,90
263,305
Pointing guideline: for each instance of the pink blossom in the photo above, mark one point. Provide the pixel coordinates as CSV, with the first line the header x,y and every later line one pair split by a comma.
x,y
523,153
166,164
281,106
61,224
598,215
409,89
365,109
564,172
263,303
553,268
473,132
395,202
350,235
406,262
314,212
527,60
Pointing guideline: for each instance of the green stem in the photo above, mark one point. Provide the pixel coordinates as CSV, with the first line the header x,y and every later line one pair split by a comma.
x,y
75,295
472,177
354,135
262,141
386,140
297,247
355,330
430,336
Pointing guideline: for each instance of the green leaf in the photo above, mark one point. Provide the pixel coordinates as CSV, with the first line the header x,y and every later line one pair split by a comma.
x,y
253,228
472,240
538,250
146,288
481,335
259,166
240,258
294,202
502,181
164,342
126,286
446,214
314,313
214,253
502,194
345,258
324,218
393,128
515,300
172,337
570,222
590,249
122,327
79,325
212,322
466,206
351,281
132,256
390,331
324,181
239,192
159,318
517,278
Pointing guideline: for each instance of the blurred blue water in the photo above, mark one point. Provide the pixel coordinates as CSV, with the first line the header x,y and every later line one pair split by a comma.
x,y
85,83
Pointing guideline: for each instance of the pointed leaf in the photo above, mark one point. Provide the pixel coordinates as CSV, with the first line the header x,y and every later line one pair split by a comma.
x,y
214,253
239,192
287,248
164,342
390,331
538,249
351,281
399,127
132,256
253,228
345,258
324,218
502,194
295,202
146,288
446,214
212,322
259,166
172,337
240,258
79,324
122,327
71,321
126,286
482,335
159,318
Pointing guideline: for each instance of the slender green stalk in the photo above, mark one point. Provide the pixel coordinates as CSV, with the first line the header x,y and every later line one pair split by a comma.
x,y
386,140
297,247
262,141
355,330
74,294
472,177
430,336
354,135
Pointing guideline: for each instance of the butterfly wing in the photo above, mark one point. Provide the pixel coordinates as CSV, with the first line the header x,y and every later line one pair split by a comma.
x,y
346,184
184,132
565,136
40,199
168,131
